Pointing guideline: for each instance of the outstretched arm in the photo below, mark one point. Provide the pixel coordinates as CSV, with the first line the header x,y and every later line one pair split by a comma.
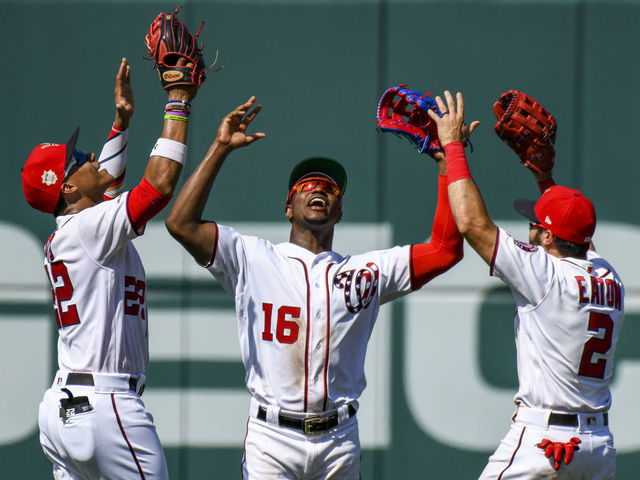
x,y
113,157
469,210
168,156
444,250
184,221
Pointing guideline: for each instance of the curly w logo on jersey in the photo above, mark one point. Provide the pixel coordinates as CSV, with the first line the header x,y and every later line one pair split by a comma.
x,y
359,293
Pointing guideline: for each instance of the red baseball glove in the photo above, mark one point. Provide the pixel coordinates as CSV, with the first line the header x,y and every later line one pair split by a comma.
x,y
404,112
528,128
167,41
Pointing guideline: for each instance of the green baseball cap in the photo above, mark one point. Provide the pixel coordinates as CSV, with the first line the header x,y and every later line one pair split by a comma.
x,y
323,166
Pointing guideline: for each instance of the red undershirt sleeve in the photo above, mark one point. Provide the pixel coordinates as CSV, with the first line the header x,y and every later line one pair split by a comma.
x,y
444,250
143,203
544,184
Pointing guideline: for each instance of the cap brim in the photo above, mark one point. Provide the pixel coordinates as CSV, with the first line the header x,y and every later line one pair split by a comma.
x,y
71,144
526,208
323,165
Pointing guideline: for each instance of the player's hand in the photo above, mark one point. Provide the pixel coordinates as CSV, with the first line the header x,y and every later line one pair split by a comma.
x,y
232,131
123,96
182,92
451,126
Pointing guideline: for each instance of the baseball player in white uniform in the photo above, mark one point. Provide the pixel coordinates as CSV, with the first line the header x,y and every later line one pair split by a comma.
x,y
93,423
305,313
570,308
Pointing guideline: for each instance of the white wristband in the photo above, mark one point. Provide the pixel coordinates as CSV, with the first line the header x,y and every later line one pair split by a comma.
x,y
170,149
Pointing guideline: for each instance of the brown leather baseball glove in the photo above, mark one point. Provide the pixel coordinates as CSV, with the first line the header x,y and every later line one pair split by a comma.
x,y
528,128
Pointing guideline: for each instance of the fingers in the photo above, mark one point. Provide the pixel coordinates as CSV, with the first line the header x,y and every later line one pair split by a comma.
x,y
241,110
249,118
124,72
441,104
460,102
451,104
255,136
473,126
434,116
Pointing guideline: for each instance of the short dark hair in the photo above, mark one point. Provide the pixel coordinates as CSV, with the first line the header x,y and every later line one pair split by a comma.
x,y
570,249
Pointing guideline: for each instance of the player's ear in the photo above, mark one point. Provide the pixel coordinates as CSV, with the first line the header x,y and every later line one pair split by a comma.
x,y
546,239
288,212
68,188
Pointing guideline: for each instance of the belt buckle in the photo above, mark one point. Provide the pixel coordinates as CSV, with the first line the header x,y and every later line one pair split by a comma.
x,y
309,423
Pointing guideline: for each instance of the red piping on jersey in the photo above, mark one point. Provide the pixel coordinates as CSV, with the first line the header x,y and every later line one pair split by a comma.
x,y
306,346
215,249
244,458
514,453
495,252
328,335
124,435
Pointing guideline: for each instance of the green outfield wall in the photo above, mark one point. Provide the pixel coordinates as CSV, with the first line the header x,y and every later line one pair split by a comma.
x,y
441,363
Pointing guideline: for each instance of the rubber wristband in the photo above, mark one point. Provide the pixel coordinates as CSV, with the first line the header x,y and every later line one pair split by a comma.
x,y
170,149
180,118
457,168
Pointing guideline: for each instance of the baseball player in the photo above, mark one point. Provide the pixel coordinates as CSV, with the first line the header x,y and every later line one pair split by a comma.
x,y
570,304
305,313
93,423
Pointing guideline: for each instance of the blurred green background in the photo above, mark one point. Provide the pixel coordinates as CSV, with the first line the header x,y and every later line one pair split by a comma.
x,y
442,366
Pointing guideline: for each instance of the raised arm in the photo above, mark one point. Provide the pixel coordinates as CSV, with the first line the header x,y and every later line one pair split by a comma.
x,y
113,157
167,158
184,221
444,249
469,210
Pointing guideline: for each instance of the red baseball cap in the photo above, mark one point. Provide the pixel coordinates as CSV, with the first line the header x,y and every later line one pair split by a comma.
x,y
43,173
565,212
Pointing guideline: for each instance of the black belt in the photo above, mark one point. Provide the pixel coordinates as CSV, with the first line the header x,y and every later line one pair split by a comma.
x,y
571,419
75,378
307,425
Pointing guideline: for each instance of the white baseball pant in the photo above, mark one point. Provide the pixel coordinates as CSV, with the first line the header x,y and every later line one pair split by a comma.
x,y
277,452
519,457
116,440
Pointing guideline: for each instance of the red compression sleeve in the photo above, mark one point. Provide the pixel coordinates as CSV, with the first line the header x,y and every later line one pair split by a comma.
x,y
444,250
457,168
544,184
144,203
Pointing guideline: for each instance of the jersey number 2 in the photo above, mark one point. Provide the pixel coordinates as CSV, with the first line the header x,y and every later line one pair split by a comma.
x,y
61,294
286,330
596,345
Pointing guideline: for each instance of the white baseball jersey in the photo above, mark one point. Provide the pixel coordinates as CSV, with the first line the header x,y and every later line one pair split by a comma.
x,y
304,319
569,315
98,288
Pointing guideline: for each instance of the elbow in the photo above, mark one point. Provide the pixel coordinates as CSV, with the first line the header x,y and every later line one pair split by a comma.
x,y
464,227
458,253
452,256
174,226
166,185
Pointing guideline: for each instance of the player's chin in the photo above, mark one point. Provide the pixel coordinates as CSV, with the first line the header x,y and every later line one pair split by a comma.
x,y
317,219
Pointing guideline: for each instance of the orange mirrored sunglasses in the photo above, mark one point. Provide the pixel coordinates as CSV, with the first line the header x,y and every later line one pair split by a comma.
x,y
309,184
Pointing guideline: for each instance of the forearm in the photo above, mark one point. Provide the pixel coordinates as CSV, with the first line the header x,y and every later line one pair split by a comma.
x,y
544,180
168,158
468,208
186,212
444,250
